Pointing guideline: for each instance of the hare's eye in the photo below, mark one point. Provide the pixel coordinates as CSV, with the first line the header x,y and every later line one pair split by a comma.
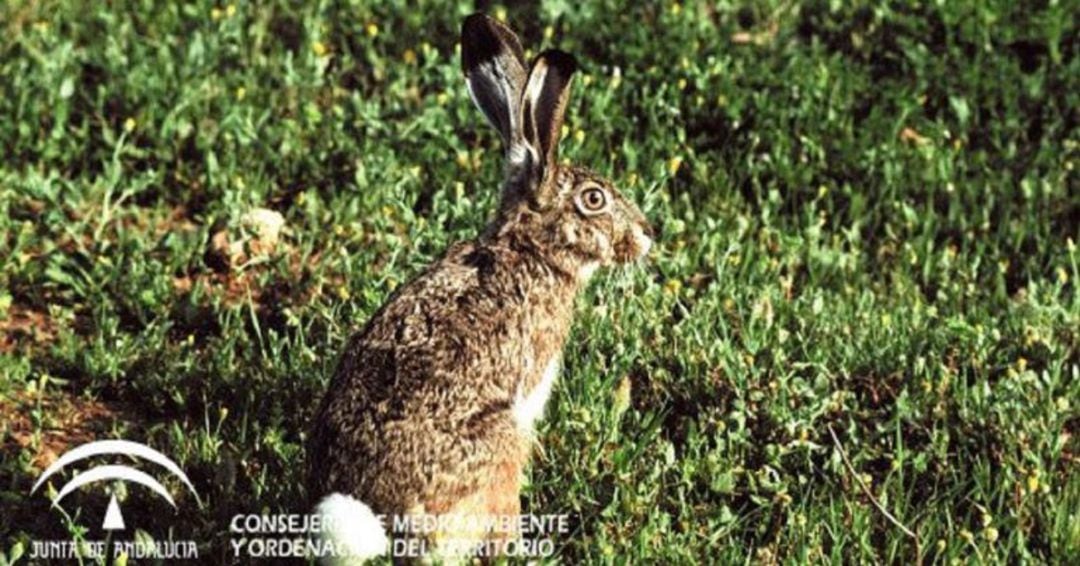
x,y
592,200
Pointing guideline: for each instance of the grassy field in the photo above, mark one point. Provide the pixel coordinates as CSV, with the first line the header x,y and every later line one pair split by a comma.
x,y
867,221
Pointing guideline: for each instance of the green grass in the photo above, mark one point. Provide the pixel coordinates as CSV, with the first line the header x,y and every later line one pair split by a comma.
x,y
867,219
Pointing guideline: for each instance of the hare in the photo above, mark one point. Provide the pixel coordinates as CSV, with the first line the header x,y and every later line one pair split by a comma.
x,y
432,409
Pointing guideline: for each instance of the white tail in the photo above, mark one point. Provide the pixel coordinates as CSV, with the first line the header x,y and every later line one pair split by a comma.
x,y
355,531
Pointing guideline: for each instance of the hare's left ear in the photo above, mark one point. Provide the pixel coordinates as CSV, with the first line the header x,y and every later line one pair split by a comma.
x,y
543,105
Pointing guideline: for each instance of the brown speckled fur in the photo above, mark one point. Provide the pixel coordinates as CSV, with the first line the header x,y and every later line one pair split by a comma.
x,y
420,412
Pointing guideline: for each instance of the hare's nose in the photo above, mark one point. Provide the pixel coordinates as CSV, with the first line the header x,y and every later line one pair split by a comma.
x,y
647,229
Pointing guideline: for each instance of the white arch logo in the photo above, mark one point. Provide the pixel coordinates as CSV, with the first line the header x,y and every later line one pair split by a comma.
x,y
114,520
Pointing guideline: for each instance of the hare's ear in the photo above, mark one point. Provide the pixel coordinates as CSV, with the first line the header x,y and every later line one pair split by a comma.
x,y
492,59
543,105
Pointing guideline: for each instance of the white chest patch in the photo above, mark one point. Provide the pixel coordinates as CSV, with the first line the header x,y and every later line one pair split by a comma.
x,y
529,406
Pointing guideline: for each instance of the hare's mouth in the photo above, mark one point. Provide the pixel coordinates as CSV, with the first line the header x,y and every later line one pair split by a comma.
x,y
634,246
637,244
643,242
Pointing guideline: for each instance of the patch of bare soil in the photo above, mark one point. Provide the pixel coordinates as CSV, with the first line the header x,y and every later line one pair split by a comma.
x,y
25,326
67,421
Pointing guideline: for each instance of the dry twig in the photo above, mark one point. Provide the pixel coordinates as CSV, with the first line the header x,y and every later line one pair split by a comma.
x,y
870,495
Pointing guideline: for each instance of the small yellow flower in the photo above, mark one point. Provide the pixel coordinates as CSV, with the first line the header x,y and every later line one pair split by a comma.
x,y
230,10
990,534
632,179
442,98
129,125
682,84
1062,275
319,48
216,13
1021,364
549,32
676,8
672,286
462,159
500,14
622,395
1033,482
579,136
241,92
223,412
372,29
673,164
409,56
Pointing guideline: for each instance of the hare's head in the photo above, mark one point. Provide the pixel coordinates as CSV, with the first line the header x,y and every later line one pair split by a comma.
x,y
572,215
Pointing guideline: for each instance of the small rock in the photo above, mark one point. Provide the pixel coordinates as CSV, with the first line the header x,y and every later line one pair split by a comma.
x,y
263,228
264,224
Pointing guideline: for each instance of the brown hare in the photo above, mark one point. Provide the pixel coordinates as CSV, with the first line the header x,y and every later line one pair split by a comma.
x,y
433,406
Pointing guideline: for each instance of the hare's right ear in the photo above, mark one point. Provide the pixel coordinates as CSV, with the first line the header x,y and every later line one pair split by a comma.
x,y
492,59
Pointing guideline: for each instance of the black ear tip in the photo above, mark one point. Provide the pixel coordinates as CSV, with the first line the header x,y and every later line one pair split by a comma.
x,y
566,63
474,22
484,38
477,41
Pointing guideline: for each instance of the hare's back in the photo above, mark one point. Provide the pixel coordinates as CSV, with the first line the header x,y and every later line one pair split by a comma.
x,y
427,385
